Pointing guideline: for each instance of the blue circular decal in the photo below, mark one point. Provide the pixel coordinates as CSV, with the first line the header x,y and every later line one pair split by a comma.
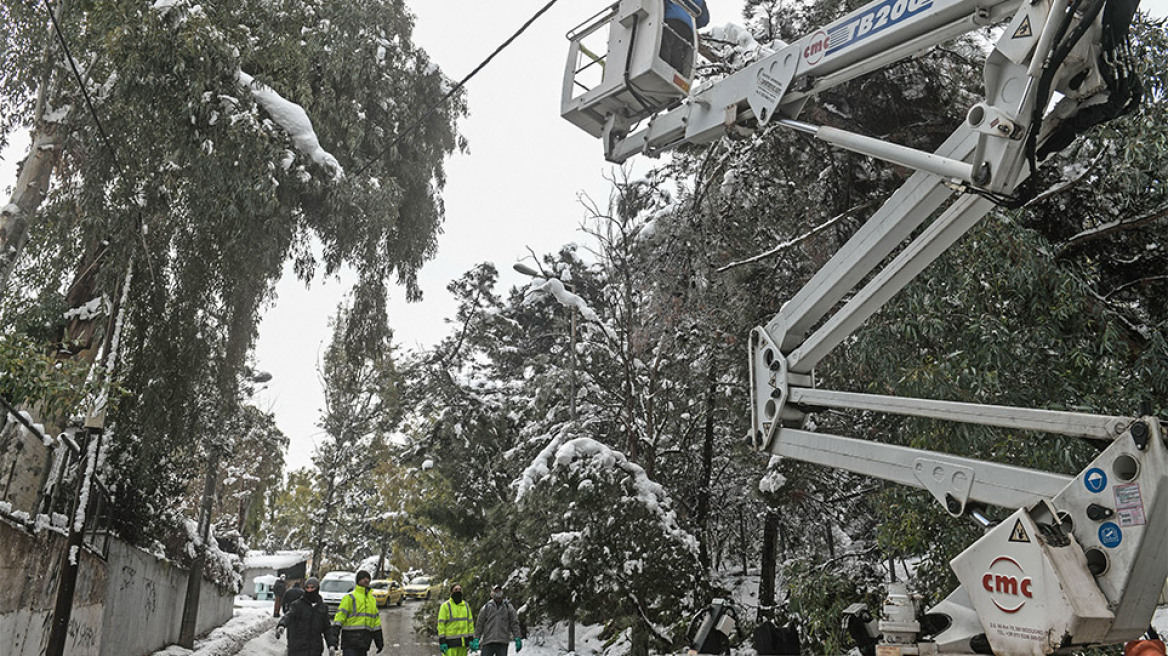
x,y
1110,535
1095,480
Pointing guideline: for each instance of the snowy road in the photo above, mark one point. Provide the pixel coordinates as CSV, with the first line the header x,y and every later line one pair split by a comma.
x,y
397,625
252,633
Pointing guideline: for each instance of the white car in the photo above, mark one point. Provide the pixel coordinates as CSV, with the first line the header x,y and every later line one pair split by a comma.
x,y
334,586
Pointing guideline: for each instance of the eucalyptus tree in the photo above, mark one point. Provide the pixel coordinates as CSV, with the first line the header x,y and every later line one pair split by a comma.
x,y
362,407
224,140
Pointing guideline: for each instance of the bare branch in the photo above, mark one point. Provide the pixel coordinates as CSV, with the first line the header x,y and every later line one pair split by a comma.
x,y
801,238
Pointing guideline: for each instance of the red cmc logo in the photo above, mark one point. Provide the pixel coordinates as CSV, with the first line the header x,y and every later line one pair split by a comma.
x,y
817,48
1008,585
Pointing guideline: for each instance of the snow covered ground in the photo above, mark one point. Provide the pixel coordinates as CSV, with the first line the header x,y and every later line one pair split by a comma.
x,y
251,633
252,622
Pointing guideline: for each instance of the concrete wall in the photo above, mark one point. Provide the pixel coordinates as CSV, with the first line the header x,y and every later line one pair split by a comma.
x,y
128,606
23,462
148,594
31,564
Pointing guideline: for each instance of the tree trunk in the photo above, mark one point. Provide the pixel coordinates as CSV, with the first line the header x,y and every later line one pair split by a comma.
x,y
36,172
322,525
769,567
701,516
31,186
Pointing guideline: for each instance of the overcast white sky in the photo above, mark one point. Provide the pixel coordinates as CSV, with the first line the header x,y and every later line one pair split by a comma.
x,y
517,188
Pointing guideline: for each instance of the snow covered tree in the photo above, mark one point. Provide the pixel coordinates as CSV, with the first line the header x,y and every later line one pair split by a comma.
x,y
610,544
362,406
223,141
290,513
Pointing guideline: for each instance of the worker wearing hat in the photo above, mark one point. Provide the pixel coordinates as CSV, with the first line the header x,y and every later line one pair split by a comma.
x,y
307,621
498,625
358,622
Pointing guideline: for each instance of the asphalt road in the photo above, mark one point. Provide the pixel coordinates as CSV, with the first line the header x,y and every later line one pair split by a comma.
x,y
397,625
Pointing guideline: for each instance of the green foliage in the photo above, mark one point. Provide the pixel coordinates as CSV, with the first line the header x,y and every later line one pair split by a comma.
x,y
203,194
34,379
291,510
609,536
818,595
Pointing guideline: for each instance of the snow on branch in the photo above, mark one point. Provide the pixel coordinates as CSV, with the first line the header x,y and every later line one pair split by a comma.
x,y
588,455
295,122
556,288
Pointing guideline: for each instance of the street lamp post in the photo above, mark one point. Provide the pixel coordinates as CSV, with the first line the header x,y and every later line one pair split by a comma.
x,y
190,615
528,271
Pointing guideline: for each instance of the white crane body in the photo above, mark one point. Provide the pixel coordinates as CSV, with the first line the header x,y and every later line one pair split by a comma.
x,y
1082,561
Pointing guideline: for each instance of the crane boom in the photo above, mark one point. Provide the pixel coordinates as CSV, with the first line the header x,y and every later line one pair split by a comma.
x,y
1083,559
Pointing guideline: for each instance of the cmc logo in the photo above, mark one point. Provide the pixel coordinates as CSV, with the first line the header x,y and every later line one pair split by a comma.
x,y
817,48
1008,585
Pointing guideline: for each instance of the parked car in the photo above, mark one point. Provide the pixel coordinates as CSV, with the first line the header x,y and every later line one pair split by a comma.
x,y
387,592
334,586
421,587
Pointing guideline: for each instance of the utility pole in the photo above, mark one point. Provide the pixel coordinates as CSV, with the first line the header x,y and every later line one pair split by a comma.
x,y
63,609
190,616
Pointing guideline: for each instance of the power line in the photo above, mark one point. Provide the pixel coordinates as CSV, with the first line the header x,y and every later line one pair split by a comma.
x,y
458,86
81,82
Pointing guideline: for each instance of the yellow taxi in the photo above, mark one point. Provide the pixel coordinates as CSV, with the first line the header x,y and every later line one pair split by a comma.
x,y
421,587
386,592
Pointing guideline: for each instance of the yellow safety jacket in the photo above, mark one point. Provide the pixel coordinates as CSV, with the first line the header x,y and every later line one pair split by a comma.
x,y
455,624
358,614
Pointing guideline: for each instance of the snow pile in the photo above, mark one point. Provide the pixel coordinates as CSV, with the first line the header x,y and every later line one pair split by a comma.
x,y
250,619
584,454
277,560
557,289
95,308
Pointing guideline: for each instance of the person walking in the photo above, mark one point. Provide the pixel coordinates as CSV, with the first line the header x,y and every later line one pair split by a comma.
x,y
456,627
498,624
278,589
307,622
292,594
357,623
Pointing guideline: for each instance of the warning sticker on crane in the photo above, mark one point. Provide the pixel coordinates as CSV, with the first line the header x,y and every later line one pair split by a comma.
x,y
1110,535
1129,505
1024,30
1019,532
1095,480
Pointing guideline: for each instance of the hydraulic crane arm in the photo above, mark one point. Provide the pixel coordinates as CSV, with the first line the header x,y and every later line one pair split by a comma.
x,y
1083,559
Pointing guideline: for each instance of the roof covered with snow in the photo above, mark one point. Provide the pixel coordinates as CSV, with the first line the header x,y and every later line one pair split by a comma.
x,y
277,560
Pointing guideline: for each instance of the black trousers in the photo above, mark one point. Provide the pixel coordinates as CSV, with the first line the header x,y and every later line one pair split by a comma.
x,y
495,649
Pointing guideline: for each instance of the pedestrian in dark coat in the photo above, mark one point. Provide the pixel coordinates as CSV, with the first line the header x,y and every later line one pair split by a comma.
x,y
308,623
293,593
278,589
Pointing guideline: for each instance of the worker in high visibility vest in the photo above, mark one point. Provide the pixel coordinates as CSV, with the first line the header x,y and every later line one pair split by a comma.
x,y
456,625
358,621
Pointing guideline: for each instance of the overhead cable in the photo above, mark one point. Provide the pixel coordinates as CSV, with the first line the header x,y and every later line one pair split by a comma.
x,y
457,87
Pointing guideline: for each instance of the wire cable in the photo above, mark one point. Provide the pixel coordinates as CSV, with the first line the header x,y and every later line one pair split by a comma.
x,y
100,128
413,126
81,82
